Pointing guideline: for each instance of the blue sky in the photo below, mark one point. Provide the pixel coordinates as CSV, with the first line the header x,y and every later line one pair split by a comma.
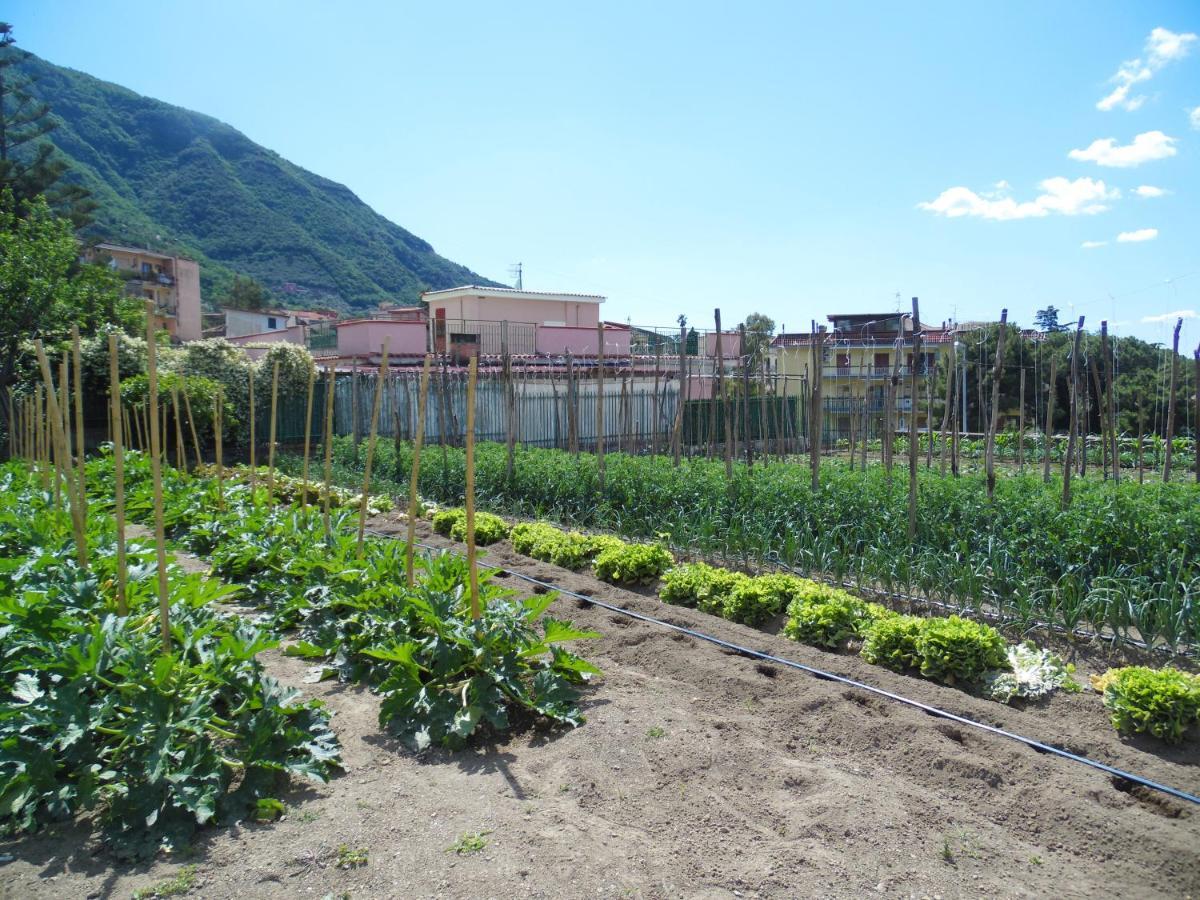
x,y
784,158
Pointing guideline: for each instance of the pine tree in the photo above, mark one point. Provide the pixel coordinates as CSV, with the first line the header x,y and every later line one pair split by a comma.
x,y
29,166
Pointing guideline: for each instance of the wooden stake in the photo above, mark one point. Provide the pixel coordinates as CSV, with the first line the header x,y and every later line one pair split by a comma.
x,y
997,374
1021,426
677,430
510,416
414,479
722,398
81,491
330,377
947,412
64,456
1069,458
180,450
308,407
889,413
1049,434
253,468
746,401
160,545
1141,472
219,444
600,403
472,564
114,378
1196,420
1111,380
1171,402
929,376
187,408
366,490
818,409
572,407
274,419
912,422
55,414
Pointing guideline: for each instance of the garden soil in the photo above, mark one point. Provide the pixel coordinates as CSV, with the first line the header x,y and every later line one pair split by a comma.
x,y
699,773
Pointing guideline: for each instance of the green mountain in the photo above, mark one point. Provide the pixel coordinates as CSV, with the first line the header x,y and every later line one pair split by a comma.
x,y
182,182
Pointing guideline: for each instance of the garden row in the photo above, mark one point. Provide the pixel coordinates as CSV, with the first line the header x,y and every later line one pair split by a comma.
x,y
947,649
159,736
1123,560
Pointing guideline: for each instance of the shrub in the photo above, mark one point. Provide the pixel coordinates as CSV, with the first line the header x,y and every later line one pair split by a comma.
x,y
891,641
1163,702
954,650
632,563
826,617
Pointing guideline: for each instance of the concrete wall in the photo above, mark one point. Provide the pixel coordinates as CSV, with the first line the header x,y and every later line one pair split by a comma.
x,y
364,337
731,344
187,299
555,340
239,322
293,334
507,309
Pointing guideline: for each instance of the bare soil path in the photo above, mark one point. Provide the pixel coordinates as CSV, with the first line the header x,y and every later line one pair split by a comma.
x,y
697,774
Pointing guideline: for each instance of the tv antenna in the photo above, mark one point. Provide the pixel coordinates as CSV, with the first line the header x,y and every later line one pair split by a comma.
x,y
515,272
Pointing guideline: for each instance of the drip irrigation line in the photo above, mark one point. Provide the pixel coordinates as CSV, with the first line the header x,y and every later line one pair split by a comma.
x,y
750,653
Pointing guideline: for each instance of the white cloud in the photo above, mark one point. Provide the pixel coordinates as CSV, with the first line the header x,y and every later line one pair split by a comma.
x,y
1172,316
1092,245
1136,237
1162,47
1147,146
1149,190
1059,195
1194,118
1166,46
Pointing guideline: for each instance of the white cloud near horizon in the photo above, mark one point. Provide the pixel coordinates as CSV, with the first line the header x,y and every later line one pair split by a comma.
x,y
1162,47
1092,245
1169,316
1146,147
1137,237
1194,118
1083,196
1149,190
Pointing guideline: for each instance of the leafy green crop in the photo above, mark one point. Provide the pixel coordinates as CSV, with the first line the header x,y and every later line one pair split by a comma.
x,y
632,563
954,650
1162,702
827,617
891,641
452,523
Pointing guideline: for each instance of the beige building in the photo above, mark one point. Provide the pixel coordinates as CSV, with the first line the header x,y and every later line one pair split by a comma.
x,y
172,282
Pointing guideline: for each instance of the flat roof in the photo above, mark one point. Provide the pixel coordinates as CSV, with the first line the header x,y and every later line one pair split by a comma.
x,y
469,290
141,251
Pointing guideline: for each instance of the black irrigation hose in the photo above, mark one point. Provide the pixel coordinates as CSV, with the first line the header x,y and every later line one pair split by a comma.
x,y
934,711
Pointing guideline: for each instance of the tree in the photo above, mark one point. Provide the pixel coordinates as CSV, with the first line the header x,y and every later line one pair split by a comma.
x,y
1047,319
246,293
28,168
759,330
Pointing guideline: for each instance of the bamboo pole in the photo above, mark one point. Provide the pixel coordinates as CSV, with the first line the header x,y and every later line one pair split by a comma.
x,y
723,399
1111,379
510,413
600,404
156,477
1141,471
746,399
929,417
308,409
1100,417
114,377
37,435
572,407
272,431
912,422
219,444
1069,458
947,412
818,411
1049,434
472,564
180,450
63,456
253,468
994,419
187,408
55,415
330,376
1196,419
1021,426
81,492
366,490
414,478
1171,401
888,450
656,409
677,436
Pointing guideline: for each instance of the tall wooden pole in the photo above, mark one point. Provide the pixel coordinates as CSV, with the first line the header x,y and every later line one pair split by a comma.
x,y
1021,426
272,432
219,443
817,415
572,407
308,410
330,377
57,430
891,413
510,415
746,399
1049,433
912,422
160,545
677,437
472,564
1068,460
947,412
723,399
1171,401
81,490
187,408
114,378
994,419
180,450
1111,382
600,403
414,479
366,491
253,468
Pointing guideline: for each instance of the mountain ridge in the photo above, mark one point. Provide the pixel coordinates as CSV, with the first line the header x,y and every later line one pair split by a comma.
x,y
185,182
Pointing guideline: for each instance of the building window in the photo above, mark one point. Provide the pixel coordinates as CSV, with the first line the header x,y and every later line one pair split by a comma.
x,y
272,323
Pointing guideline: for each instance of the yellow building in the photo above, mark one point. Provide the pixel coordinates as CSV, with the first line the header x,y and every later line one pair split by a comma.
x,y
172,282
860,356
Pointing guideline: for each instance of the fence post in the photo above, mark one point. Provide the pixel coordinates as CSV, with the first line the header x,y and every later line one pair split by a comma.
x,y
1068,459
1171,402
600,403
912,422
472,564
